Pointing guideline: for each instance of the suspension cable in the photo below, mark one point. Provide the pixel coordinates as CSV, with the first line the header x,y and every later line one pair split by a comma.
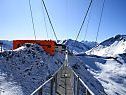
x,y
45,24
88,21
67,20
84,19
33,25
100,21
86,28
49,19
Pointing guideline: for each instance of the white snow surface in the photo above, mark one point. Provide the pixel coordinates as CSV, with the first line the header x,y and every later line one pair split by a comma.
x,y
113,77
110,72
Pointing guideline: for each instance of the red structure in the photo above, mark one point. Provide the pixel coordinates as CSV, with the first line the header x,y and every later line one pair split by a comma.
x,y
47,45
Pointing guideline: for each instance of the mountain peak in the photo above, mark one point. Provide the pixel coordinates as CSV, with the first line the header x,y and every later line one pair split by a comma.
x,y
78,47
110,47
111,40
120,37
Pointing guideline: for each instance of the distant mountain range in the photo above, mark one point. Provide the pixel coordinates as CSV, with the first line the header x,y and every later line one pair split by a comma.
x,y
78,47
74,46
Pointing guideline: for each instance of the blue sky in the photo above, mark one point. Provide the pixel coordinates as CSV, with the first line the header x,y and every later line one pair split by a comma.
x,y
66,16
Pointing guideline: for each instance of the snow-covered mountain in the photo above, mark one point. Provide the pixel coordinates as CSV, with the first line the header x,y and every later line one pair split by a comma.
x,y
24,69
78,47
107,62
110,47
90,44
7,45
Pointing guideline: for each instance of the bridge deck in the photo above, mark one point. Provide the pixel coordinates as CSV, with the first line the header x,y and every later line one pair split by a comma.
x,y
64,80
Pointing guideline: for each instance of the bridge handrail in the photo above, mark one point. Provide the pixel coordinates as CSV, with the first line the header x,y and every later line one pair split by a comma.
x,y
90,91
46,81
82,82
41,86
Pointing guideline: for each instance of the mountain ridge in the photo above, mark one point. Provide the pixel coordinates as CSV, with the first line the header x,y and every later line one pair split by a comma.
x,y
110,47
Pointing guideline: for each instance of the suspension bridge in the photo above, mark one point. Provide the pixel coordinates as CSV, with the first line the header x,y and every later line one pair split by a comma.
x,y
65,82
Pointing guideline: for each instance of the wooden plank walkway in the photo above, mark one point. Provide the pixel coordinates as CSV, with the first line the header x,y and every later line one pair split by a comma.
x,y
64,82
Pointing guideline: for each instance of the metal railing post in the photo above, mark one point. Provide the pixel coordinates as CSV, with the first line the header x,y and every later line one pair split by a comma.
x,y
40,91
78,85
55,83
1,47
74,85
51,86
65,82
87,92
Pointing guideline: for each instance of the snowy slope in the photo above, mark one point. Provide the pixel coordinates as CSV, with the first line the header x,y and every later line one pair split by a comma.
x,y
81,70
111,47
7,45
25,69
113,77
78,47
110,72
107,62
